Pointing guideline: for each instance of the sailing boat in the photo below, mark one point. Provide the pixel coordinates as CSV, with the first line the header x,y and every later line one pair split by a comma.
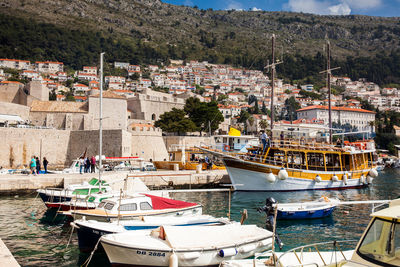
x,y
288,165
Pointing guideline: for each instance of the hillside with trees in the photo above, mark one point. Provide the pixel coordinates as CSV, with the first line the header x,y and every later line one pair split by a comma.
x,y
149,31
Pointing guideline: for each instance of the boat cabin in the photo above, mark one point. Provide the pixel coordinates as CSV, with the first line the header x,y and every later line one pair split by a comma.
x,y
380,243
140,203
316,158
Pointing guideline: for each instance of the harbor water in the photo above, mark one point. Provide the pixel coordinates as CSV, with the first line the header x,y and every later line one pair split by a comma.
x,y
38,238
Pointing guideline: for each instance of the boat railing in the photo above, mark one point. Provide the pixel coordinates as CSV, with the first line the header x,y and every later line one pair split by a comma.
x,y
329,258
314,145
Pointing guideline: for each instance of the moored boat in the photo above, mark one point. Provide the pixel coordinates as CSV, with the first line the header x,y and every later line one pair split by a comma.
x,y
73,191
89,202
320,208
291,166
186,246
135,206
89,231
378,246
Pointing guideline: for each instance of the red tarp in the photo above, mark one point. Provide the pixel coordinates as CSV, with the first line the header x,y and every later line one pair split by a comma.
x,y
160,203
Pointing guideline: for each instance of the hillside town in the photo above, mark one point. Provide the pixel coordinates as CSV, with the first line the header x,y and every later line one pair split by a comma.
x,y
230,86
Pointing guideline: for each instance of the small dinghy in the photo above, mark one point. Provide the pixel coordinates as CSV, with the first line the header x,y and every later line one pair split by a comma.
x,y
307,210
90,231
186,246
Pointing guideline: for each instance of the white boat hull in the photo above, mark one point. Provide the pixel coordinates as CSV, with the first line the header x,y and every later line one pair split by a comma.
x,y
114,217
248,180
125,256
186,246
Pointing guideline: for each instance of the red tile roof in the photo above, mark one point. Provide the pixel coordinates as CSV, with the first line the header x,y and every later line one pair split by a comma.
x,y
336,108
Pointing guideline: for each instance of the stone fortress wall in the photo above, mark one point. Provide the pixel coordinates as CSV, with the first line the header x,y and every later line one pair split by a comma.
x,y
61,147
151,104
72,126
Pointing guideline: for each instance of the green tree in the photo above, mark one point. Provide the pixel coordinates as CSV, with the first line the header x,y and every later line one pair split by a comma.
x,y
175,121
263,124
206,116
291,105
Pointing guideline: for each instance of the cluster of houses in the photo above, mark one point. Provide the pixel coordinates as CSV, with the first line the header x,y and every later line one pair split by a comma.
x,y
231,86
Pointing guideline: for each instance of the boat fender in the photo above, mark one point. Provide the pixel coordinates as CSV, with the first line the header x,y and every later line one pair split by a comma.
x,y
282,174
345,178
191,255
369,179
173,260
227,252
362,179
373,173
265,242
247,248
335,178
317,179
270,177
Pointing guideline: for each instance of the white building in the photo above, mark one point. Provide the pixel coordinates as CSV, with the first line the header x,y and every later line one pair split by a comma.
x,y
15,64
49,66
121,65
357,117
114,79
91,70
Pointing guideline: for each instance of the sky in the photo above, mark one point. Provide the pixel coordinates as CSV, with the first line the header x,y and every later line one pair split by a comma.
x,y
383,8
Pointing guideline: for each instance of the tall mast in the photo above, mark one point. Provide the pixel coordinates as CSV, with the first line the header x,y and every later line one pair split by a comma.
x,y
273,81
272,66
101,121
328,80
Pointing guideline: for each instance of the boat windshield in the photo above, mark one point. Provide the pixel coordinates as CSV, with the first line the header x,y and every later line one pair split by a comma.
x,y
381,244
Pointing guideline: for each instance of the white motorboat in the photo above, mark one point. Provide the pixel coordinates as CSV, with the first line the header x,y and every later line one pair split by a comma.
x,y
186,246
378,246
89,202
73,191
135,206
90,231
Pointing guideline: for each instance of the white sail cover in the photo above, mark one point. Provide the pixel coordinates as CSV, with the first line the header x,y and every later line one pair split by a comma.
x,y
204,237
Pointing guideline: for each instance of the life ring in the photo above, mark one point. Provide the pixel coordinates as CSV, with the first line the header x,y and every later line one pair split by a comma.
x,y
227,147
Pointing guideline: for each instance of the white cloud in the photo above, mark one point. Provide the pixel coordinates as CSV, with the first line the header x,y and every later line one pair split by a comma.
x,y
340,9
326,7
331,7
363,4
258,9
188,3
234,5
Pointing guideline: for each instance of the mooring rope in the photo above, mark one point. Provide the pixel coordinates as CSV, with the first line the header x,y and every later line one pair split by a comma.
x,y
86,263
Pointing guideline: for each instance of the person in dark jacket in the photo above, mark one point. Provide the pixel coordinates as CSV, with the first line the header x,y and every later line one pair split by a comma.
x,y
45,162
269,209
37,165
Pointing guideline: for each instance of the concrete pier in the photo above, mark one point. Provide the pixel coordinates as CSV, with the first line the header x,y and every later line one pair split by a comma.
x,y
6,258
13,183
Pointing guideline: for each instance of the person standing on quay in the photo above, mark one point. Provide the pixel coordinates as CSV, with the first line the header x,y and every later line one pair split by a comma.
x,y
45,162
37,165
87,164
33,165
81,164
93,164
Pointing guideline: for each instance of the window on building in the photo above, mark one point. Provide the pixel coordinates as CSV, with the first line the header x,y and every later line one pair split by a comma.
x,y
153,117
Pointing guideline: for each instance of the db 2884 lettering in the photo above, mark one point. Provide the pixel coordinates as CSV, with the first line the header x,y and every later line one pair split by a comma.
x,y
151,253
